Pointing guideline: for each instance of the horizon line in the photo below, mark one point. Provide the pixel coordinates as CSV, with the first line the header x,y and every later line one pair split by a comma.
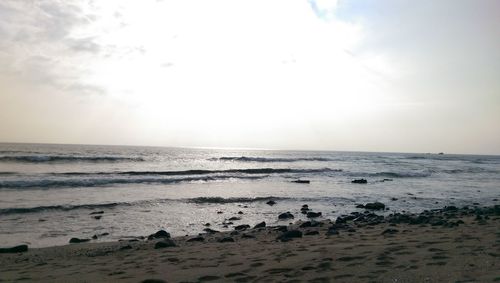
x,y
251,149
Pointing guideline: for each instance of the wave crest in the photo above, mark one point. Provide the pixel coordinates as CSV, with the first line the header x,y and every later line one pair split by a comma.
x,y
269,159
64,158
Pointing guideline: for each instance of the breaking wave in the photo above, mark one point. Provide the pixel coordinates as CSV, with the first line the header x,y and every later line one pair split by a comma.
x,y
101,206
65,158
207,172
269,159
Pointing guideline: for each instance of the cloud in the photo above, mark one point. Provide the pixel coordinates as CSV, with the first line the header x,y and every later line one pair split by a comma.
x,y
329,73
39,44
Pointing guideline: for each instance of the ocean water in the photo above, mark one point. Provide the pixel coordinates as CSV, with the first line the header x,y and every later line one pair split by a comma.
x,y
47,192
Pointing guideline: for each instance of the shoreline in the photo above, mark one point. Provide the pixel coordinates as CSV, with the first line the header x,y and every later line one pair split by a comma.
x,y
444,245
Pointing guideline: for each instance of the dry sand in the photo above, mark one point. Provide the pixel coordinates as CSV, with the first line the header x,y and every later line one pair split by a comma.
x,y
469,252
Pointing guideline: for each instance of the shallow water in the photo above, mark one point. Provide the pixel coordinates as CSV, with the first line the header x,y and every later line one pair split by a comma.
x,y
48,191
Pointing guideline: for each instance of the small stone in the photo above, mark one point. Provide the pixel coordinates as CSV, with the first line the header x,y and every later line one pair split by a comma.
x,y
359,181
234,218
375,206
127,247
77,240
211,231
226,240
289,235
281,228
15,249
241,227
240,212
96,212
165,243
260,225
159,234
390,231
332,231
271,202
313,214
301,181
196,239
285,215
311,233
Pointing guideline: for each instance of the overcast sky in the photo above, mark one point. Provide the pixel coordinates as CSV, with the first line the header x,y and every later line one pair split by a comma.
x,y
406,76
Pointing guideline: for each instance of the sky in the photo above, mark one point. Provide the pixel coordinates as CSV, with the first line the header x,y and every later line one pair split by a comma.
x,y
365,75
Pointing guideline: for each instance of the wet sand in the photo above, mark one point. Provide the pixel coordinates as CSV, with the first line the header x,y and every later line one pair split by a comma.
x,y
449,245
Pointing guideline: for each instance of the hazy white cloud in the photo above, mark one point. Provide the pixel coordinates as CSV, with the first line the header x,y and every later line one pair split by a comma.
x,y
313,74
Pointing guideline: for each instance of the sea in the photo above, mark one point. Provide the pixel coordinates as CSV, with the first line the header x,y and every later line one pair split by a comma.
x,y
50,193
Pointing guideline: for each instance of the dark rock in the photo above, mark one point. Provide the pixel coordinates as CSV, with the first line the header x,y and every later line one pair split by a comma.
x,y
260,225
207,224
285,215
127,247
311,233
375,206
159,234
281,228
97,217
16,249
360,206
196,239
166,243
240,212
288,235
96,212
77,240
340,220
313,214
234,218
211,231
234,233
271,202
247,236
305,224
310,224
301,181
438,222
241,227
450,208
226,240
304,209
359,181
94,237
394,199
332,231
390,231
386,180
351,230
219,212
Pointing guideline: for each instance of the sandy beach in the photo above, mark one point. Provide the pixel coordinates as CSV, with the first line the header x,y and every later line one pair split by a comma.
x,y
447,245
